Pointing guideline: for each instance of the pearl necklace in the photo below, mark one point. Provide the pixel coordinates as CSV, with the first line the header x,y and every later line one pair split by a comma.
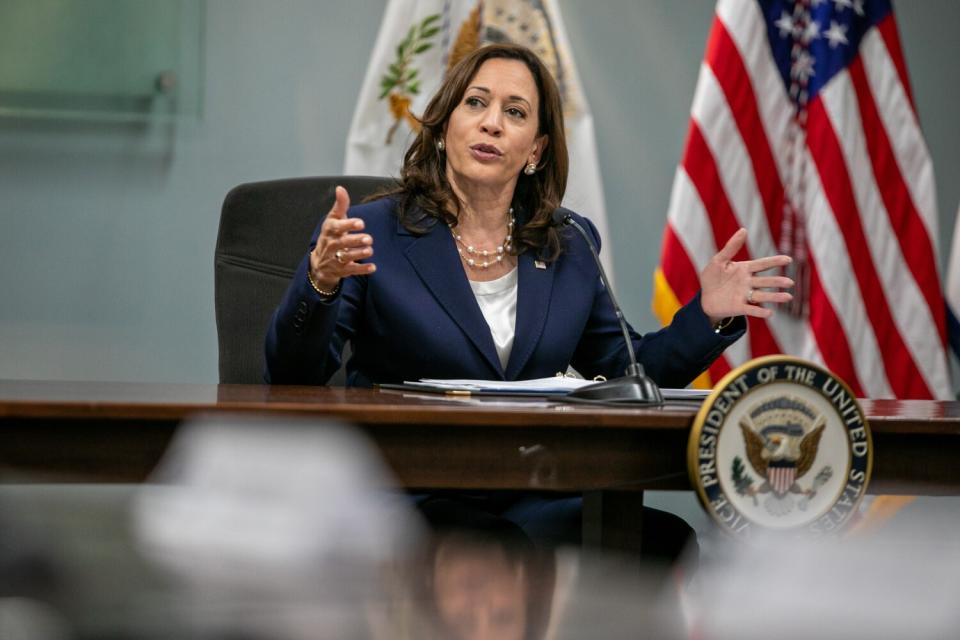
x,y
497,253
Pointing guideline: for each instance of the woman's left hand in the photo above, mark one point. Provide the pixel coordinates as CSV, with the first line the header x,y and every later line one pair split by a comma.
x,y
729,288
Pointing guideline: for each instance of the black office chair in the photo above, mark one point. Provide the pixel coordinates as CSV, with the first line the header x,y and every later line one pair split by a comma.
x,y
264,231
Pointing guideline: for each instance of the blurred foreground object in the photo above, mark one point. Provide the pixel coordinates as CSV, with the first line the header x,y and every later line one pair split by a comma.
x,y
899,582
290,530
237,498
280,527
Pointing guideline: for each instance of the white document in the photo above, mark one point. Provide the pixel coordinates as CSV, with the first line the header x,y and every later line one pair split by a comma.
x,y
555,385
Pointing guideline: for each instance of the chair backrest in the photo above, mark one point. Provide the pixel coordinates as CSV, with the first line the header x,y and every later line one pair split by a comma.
x,y
265,228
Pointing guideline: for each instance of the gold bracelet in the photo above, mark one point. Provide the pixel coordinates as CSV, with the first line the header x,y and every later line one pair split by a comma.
x,y
322,292
723,324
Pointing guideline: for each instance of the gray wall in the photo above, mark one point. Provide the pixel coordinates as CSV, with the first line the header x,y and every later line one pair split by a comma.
x,y
107,231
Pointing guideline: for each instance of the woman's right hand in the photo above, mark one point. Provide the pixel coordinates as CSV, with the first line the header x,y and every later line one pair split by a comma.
x,y
339,246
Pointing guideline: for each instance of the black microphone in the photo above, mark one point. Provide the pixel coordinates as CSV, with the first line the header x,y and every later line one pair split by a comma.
x,y
634,386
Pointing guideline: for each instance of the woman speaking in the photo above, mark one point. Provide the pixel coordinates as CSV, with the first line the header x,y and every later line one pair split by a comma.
x,y
461,272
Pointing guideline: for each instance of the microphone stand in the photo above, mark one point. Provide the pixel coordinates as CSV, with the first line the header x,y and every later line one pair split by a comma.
x,y
634,386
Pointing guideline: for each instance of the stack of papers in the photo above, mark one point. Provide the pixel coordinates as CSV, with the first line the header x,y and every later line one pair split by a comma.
x,y
554,386
541,386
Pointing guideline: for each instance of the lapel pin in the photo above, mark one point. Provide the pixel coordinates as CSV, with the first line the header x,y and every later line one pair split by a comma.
x,y
539,264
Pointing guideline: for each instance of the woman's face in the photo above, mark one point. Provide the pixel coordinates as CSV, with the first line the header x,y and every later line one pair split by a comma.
x,y
492,133
479,594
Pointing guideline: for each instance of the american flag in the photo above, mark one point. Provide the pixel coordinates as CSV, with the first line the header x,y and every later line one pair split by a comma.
x,y
803,130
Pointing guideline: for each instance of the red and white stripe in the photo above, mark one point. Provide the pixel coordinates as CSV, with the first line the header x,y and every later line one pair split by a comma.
x,y
781,478
875,303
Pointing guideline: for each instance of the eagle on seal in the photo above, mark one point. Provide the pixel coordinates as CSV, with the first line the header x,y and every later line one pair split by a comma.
x,y
781,453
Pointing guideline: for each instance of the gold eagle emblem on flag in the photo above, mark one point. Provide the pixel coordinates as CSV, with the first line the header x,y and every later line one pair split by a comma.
x,y
524,22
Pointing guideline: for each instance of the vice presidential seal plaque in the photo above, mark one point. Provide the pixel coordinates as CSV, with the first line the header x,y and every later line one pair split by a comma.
x,y
780,444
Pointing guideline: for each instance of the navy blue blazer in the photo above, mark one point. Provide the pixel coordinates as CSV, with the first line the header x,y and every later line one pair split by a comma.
x,y
417,317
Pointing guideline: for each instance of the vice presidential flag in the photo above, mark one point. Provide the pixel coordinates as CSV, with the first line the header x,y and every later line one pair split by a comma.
x,y
803,130
419,40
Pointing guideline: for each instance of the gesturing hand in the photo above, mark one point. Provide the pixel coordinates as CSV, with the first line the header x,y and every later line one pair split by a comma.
x,y
729,288
339,245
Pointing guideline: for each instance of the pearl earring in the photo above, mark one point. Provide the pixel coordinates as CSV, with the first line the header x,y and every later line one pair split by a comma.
x,y
530,169
440,145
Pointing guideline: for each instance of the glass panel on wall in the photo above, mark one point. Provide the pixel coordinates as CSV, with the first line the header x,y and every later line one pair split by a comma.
x,y
101,59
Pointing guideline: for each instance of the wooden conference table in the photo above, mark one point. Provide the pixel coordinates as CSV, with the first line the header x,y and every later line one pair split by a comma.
x,y
116,432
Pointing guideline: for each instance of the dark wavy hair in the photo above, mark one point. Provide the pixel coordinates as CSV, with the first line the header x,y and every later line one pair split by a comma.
x,y
423,193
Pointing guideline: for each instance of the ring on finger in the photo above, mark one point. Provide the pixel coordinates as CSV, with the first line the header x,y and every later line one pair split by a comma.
x,y
339,256
750,296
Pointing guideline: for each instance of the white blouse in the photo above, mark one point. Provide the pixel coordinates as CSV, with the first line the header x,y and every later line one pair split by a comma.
x,y
498,302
